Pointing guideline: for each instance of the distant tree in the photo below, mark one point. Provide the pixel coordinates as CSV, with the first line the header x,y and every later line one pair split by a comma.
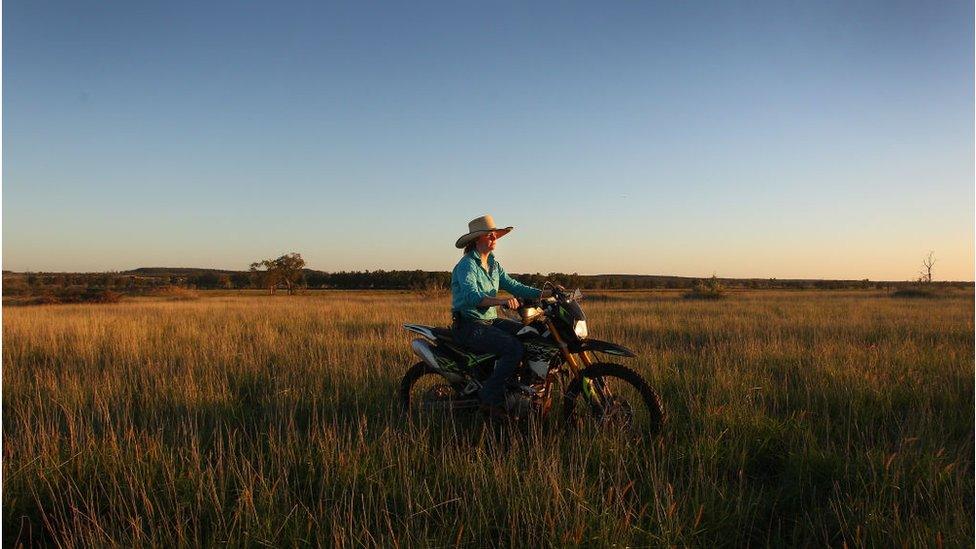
x,y
272,273
927,263
240,280
262,275
206,280
316,279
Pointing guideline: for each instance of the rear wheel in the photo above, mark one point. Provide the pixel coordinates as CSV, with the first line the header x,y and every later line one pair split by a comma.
x,y
615,398
424,391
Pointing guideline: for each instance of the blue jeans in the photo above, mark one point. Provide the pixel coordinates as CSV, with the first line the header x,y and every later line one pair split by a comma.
x,y
496,337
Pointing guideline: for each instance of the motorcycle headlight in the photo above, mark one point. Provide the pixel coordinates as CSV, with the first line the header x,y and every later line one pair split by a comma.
x,y
580,329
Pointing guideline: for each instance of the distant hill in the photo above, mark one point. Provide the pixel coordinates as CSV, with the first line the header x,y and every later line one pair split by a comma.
x,y
177,271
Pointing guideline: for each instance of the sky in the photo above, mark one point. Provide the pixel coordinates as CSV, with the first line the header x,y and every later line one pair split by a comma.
x,y
743,139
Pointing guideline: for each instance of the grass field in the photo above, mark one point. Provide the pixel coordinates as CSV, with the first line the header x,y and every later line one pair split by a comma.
x,y
799,418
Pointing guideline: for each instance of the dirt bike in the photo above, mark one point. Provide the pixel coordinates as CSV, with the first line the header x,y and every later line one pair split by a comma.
x,y
559,363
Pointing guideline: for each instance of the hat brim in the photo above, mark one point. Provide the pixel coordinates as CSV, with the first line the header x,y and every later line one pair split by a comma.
x,y
465,239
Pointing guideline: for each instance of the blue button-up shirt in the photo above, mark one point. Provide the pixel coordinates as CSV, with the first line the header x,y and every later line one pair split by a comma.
x,y
470,283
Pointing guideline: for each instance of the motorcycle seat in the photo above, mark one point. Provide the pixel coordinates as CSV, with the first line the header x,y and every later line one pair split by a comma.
x,y
444,334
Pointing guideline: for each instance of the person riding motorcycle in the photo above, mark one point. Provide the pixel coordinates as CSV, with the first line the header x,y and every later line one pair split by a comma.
x,y
475,282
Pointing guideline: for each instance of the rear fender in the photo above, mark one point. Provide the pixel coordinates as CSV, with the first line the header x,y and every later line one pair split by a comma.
x,y
442,365
422,330
606,347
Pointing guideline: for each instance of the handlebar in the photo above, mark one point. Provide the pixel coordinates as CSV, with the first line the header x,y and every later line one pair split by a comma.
x,y
559,294
557,291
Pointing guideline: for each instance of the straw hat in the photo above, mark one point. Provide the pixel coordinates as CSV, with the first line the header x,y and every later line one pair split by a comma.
x,y
479,226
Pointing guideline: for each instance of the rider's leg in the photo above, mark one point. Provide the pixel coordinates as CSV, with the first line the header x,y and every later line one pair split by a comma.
x,y
486,338
508,326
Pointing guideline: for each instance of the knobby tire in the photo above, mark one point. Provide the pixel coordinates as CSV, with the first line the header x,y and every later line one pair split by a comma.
x,y
415,372
606,369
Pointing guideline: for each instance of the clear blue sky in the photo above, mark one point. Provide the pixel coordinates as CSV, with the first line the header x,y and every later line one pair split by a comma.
x,y
767,139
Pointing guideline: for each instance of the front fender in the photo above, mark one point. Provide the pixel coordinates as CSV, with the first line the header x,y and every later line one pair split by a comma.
x,y
607,348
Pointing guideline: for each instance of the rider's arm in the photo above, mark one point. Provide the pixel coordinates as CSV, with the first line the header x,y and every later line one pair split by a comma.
x,y
492,301
515,287
467,289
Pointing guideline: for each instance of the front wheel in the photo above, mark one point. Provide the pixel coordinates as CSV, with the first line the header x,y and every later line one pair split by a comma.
x,y
616,397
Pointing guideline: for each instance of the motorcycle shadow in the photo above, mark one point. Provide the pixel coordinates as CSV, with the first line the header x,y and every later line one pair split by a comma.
x,y
475,430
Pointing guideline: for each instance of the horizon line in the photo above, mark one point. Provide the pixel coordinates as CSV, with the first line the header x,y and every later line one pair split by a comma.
x,y
128,271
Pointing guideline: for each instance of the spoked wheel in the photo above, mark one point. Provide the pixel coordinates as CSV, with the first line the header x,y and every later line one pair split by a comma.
x,y
423,392
615,398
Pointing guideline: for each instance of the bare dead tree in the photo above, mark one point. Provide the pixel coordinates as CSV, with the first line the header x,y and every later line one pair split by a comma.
x,y
927,263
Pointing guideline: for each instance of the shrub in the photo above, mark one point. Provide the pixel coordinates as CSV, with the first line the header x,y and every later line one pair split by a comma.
x,y
15,286
102,296
67,295
914,293
706,289
175,293
429,288
22,301
46,299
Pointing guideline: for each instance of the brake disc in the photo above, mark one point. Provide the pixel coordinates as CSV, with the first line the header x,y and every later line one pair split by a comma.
x,y
618,411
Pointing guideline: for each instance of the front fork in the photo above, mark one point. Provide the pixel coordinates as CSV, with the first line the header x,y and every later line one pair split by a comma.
x,y
595,391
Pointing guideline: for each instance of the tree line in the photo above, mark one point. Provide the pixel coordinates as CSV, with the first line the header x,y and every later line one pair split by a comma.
x,y
288,272
142,280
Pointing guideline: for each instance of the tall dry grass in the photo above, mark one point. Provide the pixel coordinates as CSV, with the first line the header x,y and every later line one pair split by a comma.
x,y
801,418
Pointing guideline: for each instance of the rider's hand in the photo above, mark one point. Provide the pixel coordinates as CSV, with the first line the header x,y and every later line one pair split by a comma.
x,y
512,303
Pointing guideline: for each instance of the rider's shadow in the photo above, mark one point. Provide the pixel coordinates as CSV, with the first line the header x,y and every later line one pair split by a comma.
x,y
471,431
